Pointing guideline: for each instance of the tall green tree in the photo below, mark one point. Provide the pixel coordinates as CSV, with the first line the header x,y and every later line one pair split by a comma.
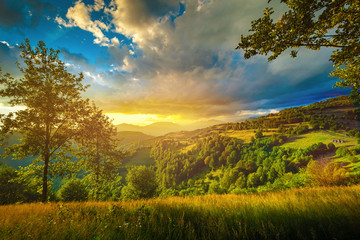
x,y
312,24
54,109
101,157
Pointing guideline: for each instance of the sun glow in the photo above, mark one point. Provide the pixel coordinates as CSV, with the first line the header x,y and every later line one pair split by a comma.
x,y
144,119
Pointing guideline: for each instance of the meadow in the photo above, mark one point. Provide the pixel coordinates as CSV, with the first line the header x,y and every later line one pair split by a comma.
x,y
309,213
324,136
244,135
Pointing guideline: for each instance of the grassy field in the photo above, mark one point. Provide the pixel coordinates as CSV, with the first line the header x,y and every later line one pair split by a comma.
x,y
326,137
245,135
315,213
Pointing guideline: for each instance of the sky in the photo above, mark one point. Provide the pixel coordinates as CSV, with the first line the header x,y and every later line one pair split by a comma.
x,y
166,60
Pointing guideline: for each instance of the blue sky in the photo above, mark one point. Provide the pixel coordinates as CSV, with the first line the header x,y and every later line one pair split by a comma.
x,y
166,59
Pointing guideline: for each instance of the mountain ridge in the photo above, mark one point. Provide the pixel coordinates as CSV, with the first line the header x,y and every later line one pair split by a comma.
x,y
161,128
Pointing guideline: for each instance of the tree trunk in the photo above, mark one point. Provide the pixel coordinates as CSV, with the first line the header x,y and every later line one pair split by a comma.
x,y
97,176
45,175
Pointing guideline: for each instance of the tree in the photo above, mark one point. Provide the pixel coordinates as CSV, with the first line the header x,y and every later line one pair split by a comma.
x,y
253,180
259,134
54,109
73,190
215,188
14,188
312,24
99,146
141,183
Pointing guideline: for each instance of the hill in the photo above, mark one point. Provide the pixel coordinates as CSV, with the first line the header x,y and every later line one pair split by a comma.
x,y
154,129
295,147
162,128
131,137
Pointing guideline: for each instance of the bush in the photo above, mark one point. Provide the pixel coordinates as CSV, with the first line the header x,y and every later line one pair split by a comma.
x,y
331,147
141,183
259,134
353,132
73,190
343,152
330,174
215,187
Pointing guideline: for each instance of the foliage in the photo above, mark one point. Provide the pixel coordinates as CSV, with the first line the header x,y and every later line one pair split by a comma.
x,y
141,183
73,190
14,188
327,174
98,143
344,151
110,189
259,134
53,113
215,187
312,24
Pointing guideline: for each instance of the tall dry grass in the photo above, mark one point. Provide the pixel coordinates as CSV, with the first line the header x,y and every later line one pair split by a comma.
x,y
314,213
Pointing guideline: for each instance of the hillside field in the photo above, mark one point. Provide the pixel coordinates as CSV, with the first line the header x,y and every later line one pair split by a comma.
x,y
311,213
324,136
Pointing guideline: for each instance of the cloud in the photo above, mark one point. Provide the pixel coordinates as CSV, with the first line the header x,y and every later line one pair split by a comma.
x,y
180,62
79,16
136,17
22,12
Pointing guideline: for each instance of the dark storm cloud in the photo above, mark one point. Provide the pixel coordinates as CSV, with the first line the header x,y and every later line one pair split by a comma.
x,y
22,12
159,8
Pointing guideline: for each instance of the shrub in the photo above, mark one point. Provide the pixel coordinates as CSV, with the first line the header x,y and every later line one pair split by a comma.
x,y
141,183
215,187
330,174
73,190
331,147
343,152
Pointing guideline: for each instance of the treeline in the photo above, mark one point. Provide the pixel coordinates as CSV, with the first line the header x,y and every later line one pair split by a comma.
x,y
314,113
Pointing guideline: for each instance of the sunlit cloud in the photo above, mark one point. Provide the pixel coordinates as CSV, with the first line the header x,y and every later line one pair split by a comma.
x,y
142,119
79,16
178,58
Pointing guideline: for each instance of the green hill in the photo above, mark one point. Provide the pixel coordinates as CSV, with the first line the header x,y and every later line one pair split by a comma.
x,y
296,147
277,151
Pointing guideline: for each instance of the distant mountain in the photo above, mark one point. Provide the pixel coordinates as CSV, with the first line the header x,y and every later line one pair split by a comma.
x,y
162,128
127,137
124,127
154,129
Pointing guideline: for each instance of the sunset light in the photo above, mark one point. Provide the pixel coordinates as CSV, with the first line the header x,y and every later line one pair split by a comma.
x,y
143,119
